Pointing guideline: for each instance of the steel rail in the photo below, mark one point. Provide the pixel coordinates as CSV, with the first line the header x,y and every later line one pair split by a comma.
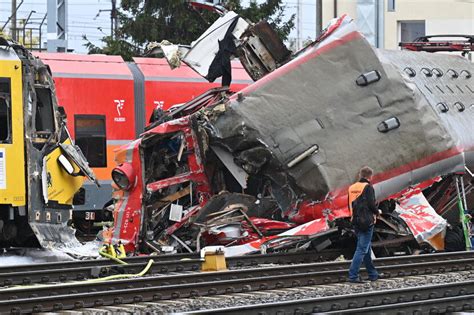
x,y
150,289
73,271
432,299
449,305
307,256
323,273
80,270
249,260
162,267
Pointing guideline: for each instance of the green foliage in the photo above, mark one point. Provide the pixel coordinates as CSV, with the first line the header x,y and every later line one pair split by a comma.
x,y
157,20
113,47
270,10
144,21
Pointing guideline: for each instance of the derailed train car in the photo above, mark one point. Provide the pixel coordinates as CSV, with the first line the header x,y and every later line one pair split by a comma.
x,y
120,99
41,169
268,168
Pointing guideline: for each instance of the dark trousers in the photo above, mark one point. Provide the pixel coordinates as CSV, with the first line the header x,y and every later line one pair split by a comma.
x,y
362,254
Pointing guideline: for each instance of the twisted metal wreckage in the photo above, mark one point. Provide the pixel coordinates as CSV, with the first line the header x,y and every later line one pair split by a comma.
x,y
268,168
41,170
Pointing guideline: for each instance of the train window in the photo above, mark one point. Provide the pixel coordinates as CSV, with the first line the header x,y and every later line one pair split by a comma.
x,y
91,138
44,120
5,111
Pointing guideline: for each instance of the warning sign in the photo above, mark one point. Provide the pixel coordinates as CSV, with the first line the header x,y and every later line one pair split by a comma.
x,y
3,170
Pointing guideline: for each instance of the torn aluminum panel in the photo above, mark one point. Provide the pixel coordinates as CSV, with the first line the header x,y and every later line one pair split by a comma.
x,y
76,155
172,53
228,160
309,230
421,219
300,134
261,50
258,47
315,100
213,6
205,48
61,237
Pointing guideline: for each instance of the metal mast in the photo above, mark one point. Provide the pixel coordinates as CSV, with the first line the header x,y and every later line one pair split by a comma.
x,y
319,17
57,25
13,25
299,25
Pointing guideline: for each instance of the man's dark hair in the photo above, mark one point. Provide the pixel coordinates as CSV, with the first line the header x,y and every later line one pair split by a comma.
x,y
365,172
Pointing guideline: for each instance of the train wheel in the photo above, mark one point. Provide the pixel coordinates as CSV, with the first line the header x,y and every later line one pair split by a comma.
x,y
454,239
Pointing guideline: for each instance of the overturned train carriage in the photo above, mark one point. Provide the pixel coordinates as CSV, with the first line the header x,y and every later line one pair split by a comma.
x,y
40,168
270,166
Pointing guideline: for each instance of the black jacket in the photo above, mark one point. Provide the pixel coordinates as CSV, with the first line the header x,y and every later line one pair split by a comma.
x,y
369,193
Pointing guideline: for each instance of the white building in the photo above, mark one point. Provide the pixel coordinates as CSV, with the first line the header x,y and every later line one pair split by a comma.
x,y
388,22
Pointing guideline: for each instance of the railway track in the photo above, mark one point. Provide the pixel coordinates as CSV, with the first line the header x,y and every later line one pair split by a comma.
x,y
429,299
68,296
87,269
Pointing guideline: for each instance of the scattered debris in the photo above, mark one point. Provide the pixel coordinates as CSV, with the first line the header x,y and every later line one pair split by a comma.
x,y
267,169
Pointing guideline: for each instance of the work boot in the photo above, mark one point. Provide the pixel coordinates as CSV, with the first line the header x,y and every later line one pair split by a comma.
x,y
380,275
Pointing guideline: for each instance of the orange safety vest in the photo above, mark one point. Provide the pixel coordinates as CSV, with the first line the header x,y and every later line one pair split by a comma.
x,y
354,192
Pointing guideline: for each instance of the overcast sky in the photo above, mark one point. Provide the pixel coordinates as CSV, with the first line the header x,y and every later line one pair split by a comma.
x,y
82,18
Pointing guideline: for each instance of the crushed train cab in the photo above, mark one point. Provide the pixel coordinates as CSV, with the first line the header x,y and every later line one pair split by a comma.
x,y
268,168
40,168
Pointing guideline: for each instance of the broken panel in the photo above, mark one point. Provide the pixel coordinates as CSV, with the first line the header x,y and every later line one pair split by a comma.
x,y
268,168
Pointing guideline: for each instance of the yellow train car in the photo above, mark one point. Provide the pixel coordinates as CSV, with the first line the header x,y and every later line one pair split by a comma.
x,y
40,168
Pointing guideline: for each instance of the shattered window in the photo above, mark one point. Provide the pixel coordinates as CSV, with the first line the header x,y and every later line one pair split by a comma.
x,y
5,111
166,158
91,138
44,120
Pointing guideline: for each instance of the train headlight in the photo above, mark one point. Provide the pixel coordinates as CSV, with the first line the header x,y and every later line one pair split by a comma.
x,y
124,176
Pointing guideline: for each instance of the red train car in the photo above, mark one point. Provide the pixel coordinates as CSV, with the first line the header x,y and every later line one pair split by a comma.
x,y
166,87
109,101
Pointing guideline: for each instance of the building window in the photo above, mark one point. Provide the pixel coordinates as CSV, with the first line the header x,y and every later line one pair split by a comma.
x,y
391,6
5,111
409,30
91,138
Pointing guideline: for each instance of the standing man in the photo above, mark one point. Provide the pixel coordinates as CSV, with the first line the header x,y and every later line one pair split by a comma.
x,y
363,211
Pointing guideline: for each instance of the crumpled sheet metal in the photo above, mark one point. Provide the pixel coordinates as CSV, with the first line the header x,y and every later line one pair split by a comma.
x,y
310,229
314,100
421,218
204,49
61,237
172,54
124,231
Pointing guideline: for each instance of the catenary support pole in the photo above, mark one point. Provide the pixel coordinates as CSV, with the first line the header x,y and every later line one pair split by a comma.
x,y
13,25
319,17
